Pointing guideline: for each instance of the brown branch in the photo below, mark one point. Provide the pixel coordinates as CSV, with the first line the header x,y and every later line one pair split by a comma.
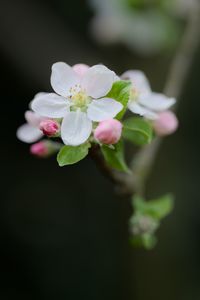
x,y
179,70
175,84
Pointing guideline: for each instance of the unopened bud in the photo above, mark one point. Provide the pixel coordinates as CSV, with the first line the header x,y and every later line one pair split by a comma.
x,y
108,132
40,149
166,123
49,127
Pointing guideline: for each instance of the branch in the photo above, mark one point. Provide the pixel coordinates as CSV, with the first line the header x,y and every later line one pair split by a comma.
x,y
179,70
175,84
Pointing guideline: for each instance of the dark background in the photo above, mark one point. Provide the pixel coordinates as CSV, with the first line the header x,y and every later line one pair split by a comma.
x,y
63,232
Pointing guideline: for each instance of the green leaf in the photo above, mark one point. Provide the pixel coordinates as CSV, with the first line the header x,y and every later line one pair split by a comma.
x,y
148,241
120,92
146,219
138,131
69,155
115,157
157,209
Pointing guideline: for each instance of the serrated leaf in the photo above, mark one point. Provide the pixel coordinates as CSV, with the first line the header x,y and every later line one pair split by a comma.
x,y
137,130
115,157
158,209
120,92
69,155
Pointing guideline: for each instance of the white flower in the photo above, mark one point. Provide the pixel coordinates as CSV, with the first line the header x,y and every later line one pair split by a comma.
x,y
143,101
29,132
77,100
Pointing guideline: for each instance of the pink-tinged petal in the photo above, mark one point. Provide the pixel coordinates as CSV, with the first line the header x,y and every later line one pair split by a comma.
x,y
63,78
142,111
76,128
139,81
103,109
80,69
51,106
32,118
28,134
157,102
98,81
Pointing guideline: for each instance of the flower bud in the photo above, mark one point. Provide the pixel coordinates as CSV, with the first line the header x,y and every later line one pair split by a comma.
x,y
166,123
49,127
40,149
108,132
80,69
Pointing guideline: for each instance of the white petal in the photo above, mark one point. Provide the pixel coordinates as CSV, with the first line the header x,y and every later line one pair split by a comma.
x,y
28,134
142,111
139,80
51,106
63,78
76,128
103,109
36,96
156,101
98,81
32,118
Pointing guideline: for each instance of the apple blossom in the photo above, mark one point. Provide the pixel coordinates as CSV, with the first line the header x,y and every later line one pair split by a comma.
x,y
108,131
49,127
166,123
79,101
142,100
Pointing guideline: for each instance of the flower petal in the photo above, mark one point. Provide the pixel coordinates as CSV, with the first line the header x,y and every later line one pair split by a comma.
x,y
98,81
103,109
76,128
142,111
28,134
32,118
156,101
139,80
35,97
63,78
51,106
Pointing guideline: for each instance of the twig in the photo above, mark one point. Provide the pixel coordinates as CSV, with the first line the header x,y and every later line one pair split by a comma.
x,y
175,83
180,67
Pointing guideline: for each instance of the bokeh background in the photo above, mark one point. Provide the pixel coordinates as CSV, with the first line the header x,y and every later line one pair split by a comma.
x,y
63,232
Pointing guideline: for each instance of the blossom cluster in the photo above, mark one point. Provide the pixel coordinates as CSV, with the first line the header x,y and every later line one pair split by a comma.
x,y
88,105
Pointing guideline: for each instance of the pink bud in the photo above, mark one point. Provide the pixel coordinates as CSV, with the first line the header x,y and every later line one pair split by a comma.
x,y
39,149
80,69
49,127
166,123
108,131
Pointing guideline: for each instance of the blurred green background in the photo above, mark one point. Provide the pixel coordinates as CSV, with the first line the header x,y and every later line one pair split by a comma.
x,y
63,232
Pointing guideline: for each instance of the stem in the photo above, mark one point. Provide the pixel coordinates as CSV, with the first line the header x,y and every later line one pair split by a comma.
x,y
175,84
178,73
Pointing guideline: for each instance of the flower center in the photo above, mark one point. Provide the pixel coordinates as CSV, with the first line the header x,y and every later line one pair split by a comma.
x,y
79,97
134,94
